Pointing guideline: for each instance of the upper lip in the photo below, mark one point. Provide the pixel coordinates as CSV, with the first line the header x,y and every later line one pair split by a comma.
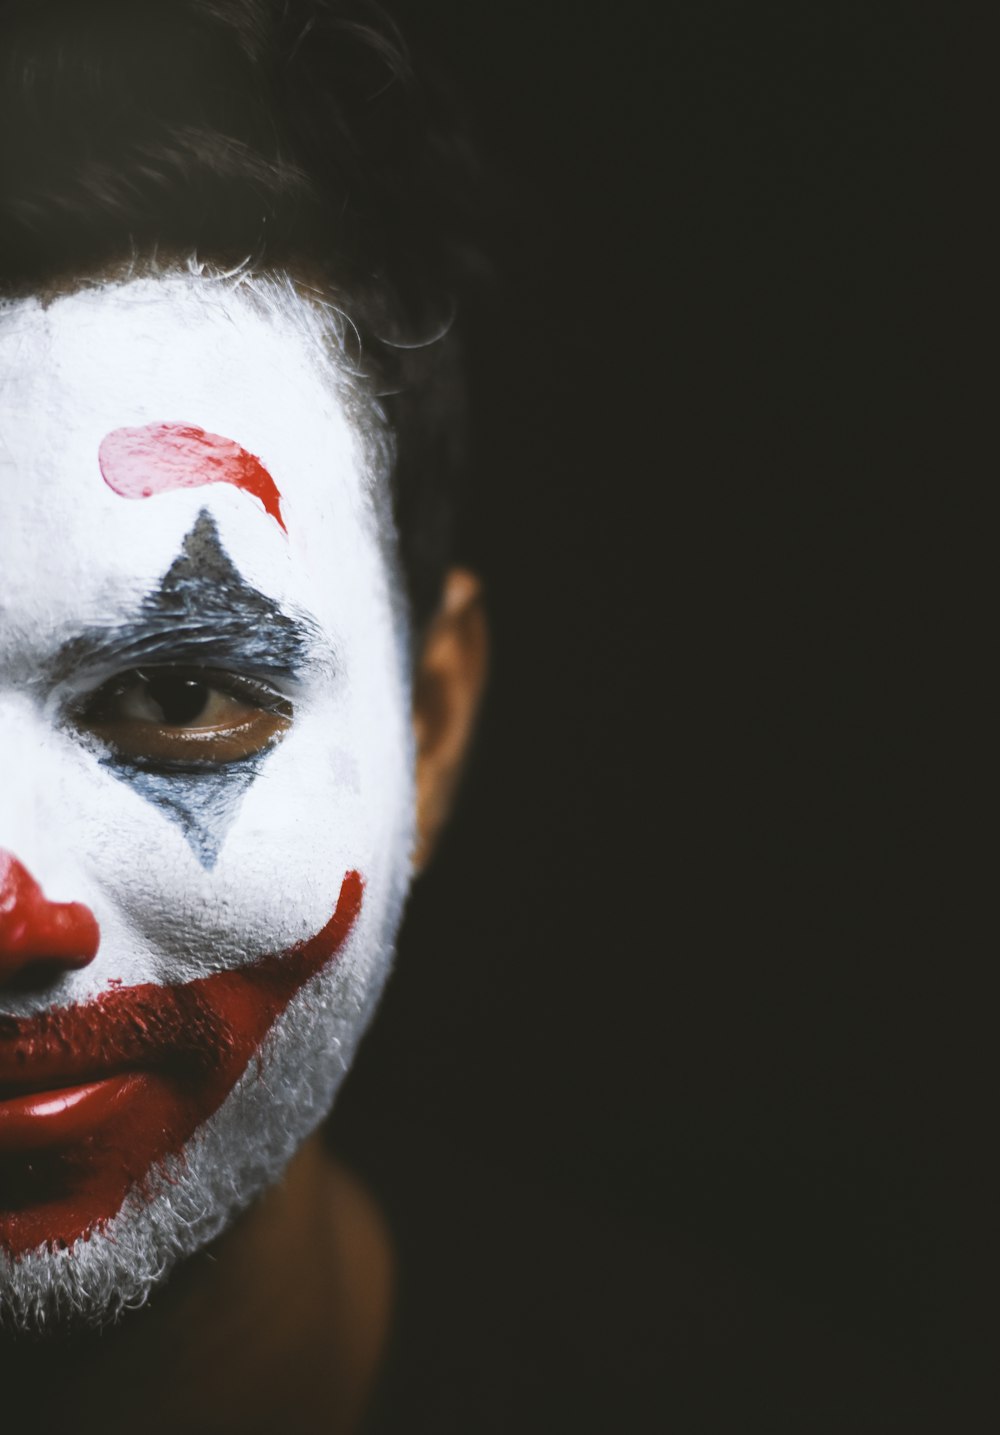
x,y
34,1058
121,1030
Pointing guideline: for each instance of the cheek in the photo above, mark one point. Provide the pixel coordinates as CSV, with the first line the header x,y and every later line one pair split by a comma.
x,y
333,796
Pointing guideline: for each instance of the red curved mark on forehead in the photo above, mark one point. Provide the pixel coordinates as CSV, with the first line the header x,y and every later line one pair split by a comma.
x,y
141,462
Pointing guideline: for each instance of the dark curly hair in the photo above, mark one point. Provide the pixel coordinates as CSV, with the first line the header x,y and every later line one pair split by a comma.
x,y
287,134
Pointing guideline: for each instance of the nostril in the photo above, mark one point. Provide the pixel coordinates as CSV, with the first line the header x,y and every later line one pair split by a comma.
x,y
30,977
38,938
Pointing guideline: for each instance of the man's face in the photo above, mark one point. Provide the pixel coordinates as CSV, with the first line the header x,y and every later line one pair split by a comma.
x,y
206,753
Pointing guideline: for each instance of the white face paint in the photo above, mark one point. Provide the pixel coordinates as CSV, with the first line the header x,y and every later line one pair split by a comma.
x,y
207,867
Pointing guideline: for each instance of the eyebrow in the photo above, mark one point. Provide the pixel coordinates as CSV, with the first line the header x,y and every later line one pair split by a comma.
x,y
138,462
203,611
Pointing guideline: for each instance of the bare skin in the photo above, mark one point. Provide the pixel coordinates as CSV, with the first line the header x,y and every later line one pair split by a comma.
x,y
296,1297
282,1323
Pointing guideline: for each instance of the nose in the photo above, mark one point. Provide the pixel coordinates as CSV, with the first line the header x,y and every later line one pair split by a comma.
x,y
39,938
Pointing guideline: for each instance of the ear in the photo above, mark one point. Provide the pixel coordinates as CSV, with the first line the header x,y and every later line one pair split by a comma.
x,y
448,684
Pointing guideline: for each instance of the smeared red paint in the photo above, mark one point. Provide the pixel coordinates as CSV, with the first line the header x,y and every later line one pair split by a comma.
x,y
141,462
94,1098
37,932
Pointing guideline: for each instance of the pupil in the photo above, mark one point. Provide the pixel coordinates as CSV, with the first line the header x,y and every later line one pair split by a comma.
x,y
180,699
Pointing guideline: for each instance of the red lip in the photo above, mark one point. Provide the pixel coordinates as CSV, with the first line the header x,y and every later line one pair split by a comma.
x,y
38,1119
94,1098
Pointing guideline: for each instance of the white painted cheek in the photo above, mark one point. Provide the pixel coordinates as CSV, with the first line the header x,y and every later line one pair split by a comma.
x,y
354,594
70,824
334,796
41,793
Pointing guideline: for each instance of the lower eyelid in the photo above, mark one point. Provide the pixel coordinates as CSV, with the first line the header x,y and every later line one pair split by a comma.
x,y
145,742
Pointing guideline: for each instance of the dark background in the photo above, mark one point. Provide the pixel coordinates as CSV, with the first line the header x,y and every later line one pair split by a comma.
x,y
672,1100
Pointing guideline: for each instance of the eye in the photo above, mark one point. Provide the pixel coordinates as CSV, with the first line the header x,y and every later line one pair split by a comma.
x,y
182,716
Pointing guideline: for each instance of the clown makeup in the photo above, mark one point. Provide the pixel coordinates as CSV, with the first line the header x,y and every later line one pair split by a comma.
x,y
206,805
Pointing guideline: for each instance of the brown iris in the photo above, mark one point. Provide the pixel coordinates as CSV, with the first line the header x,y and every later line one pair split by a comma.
x,y
176,716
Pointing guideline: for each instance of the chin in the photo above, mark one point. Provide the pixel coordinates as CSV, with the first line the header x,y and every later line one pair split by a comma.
x,y
192,1198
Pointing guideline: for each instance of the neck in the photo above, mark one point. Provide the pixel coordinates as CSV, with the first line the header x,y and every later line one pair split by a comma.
x,y
280,1324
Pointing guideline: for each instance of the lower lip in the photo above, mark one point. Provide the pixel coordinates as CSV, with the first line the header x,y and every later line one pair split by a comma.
x,y
36,1120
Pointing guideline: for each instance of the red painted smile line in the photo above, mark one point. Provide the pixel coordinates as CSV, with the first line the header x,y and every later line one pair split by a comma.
x,y
94,1098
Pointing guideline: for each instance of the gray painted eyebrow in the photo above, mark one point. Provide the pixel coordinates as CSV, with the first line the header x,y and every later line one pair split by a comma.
x,y
203,612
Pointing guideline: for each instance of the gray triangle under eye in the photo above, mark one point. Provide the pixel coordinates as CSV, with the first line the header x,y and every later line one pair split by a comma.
x,y
203,612
202,804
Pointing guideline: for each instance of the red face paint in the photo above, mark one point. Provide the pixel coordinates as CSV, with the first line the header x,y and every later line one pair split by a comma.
x,y
141,462
36,932
94,1098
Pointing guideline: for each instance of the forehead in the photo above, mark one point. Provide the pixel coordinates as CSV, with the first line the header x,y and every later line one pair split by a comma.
x,y
257,369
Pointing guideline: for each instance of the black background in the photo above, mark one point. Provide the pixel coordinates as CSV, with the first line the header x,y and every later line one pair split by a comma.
x,y
671,1099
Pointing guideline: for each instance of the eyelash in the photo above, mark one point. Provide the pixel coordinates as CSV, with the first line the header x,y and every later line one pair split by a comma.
x,y
235,685
181,745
